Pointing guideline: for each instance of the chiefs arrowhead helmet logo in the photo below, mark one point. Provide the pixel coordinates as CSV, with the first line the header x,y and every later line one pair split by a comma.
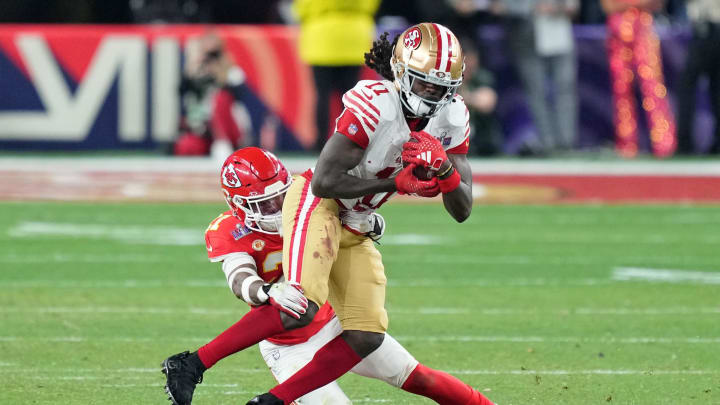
x,y
229,177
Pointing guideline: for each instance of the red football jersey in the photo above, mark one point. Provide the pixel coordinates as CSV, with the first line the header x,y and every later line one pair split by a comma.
x,y
227,234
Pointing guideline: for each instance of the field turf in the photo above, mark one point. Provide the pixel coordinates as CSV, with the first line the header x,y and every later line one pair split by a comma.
x,y
529,304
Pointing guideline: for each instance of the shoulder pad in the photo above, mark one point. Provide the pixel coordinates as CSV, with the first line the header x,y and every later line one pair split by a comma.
x,y
227,224
456,113
381,94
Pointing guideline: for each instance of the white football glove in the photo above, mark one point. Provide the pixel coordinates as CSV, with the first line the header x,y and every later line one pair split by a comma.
x,y
287,297
371,224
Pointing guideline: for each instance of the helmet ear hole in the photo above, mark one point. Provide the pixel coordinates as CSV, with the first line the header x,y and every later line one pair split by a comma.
x,y
239,202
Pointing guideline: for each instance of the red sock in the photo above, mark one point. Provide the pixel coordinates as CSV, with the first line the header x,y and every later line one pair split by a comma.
x,y
442,388
329,363
258,324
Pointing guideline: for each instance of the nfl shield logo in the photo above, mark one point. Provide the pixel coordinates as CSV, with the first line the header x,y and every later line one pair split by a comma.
x,y
352,129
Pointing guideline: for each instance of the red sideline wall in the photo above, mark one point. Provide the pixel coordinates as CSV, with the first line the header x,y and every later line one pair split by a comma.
x,y
601,188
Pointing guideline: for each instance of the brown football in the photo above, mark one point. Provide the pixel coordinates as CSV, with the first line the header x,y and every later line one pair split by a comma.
x,y
423,173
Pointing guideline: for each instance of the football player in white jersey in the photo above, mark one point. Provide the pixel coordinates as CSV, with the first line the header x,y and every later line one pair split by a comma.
x,y
327,214
388,128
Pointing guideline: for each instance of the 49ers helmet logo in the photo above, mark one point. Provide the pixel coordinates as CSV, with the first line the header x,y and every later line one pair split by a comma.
x,y
229,177
412,38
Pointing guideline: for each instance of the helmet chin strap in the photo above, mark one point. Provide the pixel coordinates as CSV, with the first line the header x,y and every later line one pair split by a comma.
x,y
417,106
272,225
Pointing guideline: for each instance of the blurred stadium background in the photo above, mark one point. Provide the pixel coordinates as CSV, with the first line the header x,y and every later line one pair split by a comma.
x,y
581,277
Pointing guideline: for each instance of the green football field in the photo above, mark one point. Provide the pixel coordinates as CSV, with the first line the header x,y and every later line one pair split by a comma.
x,y
530,304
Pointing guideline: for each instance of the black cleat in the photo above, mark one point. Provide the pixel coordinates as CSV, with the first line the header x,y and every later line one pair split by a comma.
x,y
183,371
266,399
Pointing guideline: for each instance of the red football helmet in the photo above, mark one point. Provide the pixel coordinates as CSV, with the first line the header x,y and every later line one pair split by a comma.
x,y
255,182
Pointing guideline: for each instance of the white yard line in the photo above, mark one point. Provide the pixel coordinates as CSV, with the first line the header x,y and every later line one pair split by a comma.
x,y
163,235
410,338
72,374
98,372
160,384
133,234
436,283
585,372
514,282
204,311
566,339
37,258
414,239
619,274
132,283
664,275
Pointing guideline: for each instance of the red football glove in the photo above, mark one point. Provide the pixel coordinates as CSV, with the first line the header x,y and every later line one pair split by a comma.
x,y
427,151
407,183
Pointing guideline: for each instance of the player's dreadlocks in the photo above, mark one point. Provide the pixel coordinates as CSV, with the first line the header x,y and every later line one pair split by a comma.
x,y
378,59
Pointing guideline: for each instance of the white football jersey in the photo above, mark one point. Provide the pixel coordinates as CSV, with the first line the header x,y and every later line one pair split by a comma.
x,y
373,118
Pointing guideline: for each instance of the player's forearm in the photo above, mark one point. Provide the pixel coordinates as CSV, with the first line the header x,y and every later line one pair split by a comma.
x,y
459,202
343,185
331,178
249,289
456,186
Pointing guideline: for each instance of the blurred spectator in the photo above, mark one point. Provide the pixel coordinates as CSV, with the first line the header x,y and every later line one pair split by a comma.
x,y
245,12
334,36
142,11
541,40
63,11
212,85
703,59
462,17
671,12
634,51
481,100
591,12
398,14
169,11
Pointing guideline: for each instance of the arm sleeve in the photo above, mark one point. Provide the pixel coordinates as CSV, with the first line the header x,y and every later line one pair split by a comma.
x,y
251,288
236,263
349,125
361,116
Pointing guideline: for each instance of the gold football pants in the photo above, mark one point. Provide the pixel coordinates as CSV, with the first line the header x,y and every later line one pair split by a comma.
x,y
330,262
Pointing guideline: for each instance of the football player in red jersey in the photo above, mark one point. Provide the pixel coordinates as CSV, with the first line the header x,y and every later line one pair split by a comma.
x,y
246,240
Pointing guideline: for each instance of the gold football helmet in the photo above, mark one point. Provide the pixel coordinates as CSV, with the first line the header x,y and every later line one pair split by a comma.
x,y
428,66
